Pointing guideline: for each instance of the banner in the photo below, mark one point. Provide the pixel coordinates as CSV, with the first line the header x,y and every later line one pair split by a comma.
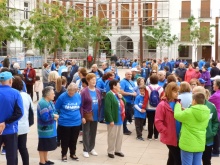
x,y
103,57
20,56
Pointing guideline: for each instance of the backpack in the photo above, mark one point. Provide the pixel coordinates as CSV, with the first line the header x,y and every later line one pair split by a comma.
x,y
154,97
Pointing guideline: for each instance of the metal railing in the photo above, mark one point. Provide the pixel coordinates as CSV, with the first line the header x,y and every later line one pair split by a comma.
x,y
185,13
205,13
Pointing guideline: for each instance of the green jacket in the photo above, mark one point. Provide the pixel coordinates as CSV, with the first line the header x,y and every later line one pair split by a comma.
x,y
111,107
213,124
194,123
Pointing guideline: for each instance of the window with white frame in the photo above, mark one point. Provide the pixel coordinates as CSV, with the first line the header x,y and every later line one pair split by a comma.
x,y
26,9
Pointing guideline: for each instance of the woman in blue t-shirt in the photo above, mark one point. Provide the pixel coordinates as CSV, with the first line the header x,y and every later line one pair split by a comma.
x,y
90,111
68,106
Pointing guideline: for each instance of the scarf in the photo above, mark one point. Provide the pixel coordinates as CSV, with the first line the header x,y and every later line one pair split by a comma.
x,y
122,106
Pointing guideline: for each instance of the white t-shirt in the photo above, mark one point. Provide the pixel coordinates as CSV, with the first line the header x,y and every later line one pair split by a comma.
x,y
153,86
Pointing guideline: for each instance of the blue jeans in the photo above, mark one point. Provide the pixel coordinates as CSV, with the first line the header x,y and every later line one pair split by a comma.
x,y
191,158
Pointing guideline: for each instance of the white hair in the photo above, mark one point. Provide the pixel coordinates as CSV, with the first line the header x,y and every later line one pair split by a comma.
x,y
16,65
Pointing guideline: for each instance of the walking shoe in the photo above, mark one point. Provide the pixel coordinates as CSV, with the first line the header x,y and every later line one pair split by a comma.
x,y
64,158
156,139
3,151
86,154
94,153
119,154
49,162
140,138
127,132
74,157
111,156
149,139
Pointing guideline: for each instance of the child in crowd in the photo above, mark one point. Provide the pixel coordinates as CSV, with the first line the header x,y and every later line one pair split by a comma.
x,y
139,113
193,131
37,86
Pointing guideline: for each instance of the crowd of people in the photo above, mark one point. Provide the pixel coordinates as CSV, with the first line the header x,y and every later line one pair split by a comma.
x,y
176,100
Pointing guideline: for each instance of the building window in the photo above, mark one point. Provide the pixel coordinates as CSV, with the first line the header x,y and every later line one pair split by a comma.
x,y
205,9
26,9
183,51
186,9
185,31
125,24
147,14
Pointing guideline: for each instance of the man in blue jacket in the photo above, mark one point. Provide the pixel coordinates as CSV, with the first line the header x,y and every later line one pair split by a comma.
x,y
11,111
166,63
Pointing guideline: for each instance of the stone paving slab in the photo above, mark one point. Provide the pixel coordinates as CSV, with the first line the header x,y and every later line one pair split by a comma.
x,y
136,152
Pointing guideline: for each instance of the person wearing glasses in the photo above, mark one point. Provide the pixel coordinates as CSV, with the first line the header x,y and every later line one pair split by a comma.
x,y
153,72
30,76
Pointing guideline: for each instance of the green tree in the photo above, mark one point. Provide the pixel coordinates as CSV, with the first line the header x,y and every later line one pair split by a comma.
x,y
198,34
159,35
8,29
95,31
50,27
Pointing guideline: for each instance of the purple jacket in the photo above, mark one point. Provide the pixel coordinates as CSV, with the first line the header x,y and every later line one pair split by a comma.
x,y
86,104
206,76
215,100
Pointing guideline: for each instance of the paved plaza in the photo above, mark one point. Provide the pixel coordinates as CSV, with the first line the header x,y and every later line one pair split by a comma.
x,y
136,152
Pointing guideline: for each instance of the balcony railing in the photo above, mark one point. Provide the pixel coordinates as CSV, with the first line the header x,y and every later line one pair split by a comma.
x,y
205,13
185,13
124,24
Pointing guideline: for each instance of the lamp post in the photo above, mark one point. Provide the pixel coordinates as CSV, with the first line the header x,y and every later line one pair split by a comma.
x,y
141,41
216,37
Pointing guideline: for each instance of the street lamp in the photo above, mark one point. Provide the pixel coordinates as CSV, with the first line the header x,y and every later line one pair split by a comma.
x,y
216,37
141,41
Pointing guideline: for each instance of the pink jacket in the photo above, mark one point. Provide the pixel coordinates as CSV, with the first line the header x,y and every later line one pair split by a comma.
x,y
189,74
165,123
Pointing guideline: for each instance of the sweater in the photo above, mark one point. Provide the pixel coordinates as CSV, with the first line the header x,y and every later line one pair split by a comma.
x,y
46,124
215,100
11,109
86,105
194,123
68,108
45,74
111,108
23,123
213,124
206,76
30,74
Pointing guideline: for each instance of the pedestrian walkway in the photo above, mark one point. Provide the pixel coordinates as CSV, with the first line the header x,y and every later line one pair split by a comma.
x,y
136,152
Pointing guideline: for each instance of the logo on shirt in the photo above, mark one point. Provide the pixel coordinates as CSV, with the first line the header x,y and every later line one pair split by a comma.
x,y
72,106
94,100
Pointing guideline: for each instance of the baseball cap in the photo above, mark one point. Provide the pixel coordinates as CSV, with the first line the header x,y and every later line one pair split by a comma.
x,y
202,81
134,70
5,76
215,78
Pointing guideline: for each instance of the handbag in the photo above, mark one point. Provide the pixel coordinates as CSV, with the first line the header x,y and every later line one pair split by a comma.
x,y
29,79
88,116
31,116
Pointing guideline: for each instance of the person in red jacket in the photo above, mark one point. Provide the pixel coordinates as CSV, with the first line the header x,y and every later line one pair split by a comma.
x,y
29,78
166,125
189,73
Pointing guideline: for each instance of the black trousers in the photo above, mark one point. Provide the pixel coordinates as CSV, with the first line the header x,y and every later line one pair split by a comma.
x,y
58,133
22,147
69,136
174,157
216,143
139,123
151,127
129,110
37,94
30,90
207,155
11,147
